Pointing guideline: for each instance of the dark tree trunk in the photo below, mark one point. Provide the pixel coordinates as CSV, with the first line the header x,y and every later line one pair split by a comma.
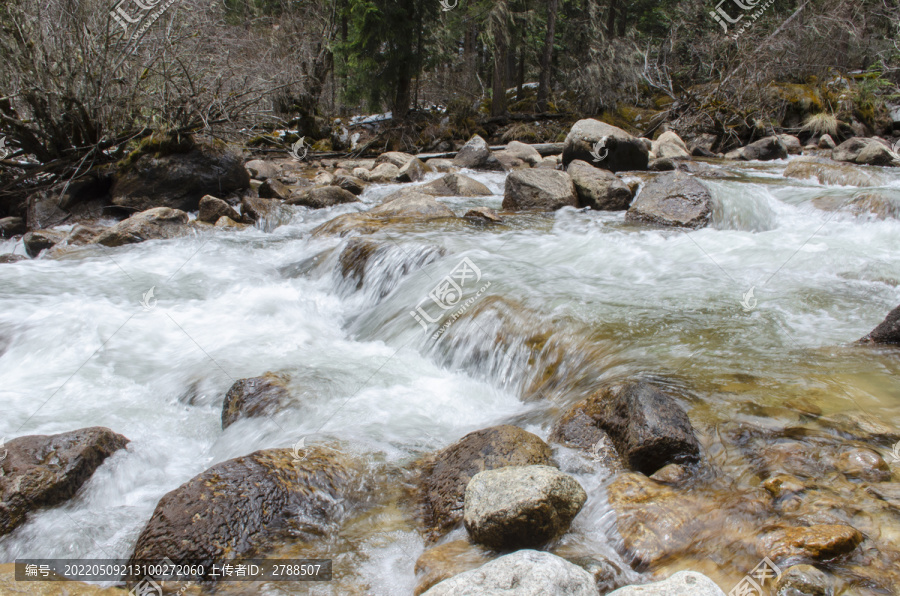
x,y
547,57
611,18
520,77
498,105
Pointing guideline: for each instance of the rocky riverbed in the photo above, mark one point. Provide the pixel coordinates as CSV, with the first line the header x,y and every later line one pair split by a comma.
x,y
612,364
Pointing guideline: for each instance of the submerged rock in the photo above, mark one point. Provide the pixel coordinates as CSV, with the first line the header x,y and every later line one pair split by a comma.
x,y
818,542
237,508
599,189
803,580
179,175
447,560
46,470
212,208
153,224
672,200
888,332
522,573
256,397
647,427
446,474
411,204
521,506
454,185
683,583
539,189
620,150
828,171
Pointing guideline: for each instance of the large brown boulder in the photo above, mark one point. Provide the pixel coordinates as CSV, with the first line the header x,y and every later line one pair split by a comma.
x,y
46,470
239,507
599,189
647,427
256,397
446,474
672,200
212,208
620,150
539,189
861,150
39,240
178,174
888,332
322,197
454,185
765,149
153,224
818,542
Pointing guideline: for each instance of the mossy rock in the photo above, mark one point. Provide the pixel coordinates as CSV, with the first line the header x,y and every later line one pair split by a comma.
x,y
158,145
323,146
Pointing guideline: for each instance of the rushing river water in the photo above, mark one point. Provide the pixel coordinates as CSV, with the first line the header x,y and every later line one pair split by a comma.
x,y
78,349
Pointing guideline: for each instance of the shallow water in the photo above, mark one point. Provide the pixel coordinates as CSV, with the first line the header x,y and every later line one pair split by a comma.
x,y
78,349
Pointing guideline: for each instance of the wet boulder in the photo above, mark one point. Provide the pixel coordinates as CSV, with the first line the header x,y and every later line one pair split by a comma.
x,y
256,397
274,189
11,226
350,183
266,214
474,154
153,224
522,573
861,150
455,185
818,542
39,240
888,332
46,470
446,474
670,146
676,200
485,213
647,427
211,209
227,222
411,204
765,149
828,171
523,152
177,174
521,506
863,464
803,580
382,173
239,507
619,150
599,189
539,189
413,171
322,197
683,583
447,560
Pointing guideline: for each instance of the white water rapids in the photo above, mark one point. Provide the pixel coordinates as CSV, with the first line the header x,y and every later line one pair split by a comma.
x,y
77,348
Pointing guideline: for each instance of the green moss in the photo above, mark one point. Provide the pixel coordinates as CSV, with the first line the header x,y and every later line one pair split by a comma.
x,y
159,144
